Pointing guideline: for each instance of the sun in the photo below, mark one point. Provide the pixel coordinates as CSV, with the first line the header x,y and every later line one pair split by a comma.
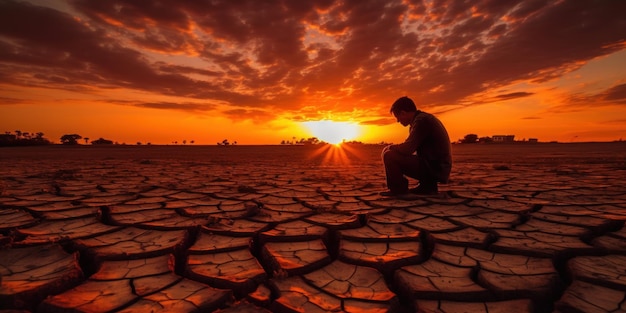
x,y
333,132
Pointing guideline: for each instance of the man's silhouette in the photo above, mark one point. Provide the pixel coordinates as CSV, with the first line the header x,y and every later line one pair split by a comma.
x,y
424,155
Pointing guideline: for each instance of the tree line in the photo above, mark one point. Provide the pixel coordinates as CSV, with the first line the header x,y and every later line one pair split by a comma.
x,y
20,138
309,141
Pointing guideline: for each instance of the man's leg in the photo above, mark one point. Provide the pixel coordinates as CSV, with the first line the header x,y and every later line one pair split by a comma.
x,y
398,165
427,179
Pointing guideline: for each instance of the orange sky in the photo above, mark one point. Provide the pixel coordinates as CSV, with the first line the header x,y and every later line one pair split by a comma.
x,y
255,71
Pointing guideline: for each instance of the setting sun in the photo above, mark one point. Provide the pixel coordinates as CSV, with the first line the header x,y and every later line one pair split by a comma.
x,y
333,132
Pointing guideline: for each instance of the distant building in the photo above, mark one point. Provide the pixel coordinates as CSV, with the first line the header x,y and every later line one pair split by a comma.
x,y
503,138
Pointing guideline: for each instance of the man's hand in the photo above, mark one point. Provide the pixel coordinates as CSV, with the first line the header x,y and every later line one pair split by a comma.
x,y
387,148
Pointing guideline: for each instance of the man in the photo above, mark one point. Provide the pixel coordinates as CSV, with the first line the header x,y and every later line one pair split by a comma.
x,y
424,155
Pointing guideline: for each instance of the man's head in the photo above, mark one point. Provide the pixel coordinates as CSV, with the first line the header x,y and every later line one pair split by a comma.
x,y
404,110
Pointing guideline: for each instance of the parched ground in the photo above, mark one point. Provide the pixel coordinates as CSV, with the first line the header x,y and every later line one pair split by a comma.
x,y
521,228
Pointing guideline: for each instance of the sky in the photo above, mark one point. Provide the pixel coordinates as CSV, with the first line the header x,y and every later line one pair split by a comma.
x,y
260,72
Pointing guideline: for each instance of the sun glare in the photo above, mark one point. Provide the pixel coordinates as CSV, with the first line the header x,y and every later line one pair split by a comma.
x,y
333,132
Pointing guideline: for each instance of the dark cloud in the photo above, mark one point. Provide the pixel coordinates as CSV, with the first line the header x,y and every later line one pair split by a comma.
x,y
379,122
10,101
514,95
618,122
615,93
542,45
164,105
257,116
288,55
56,48
579,101
175,106
183,70
612,95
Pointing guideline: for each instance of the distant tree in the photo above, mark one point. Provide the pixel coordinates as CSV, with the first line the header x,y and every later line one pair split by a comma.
x,y
192,142
313,140
102,141
139,143
485,139
225,142
86,140
184,141
283,142
71,139
8,139
470,138
18,133
40,140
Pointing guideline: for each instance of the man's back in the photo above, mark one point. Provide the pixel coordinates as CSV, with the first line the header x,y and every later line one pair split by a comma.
x,y
435,144
432,143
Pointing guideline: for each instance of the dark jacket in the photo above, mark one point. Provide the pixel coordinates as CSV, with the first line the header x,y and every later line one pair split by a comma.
x,y
429,139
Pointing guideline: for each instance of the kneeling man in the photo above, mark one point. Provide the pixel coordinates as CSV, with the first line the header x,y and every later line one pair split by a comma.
x,y
424,155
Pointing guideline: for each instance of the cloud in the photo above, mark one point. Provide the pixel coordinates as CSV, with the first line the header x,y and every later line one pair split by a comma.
x,y
335,56
614,95
10,101
379,122
256,116
175,106
164,105
617,121
514,95
538,45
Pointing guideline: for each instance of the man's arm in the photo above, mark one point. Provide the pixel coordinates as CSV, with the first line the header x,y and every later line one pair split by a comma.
x,y
415,139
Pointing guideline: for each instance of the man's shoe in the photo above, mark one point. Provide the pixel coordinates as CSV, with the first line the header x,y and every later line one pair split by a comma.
x,y
389,193
401,196
425,190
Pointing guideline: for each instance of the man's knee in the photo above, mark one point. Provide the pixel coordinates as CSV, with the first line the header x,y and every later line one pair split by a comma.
x,y
390,156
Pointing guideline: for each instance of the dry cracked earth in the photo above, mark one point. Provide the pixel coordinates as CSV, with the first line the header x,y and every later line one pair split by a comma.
x,y
244,230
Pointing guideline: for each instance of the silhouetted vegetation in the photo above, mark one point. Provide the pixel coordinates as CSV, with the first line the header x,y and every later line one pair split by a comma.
x,y
22,139
303,141
102,141
71,139
225,142
485,139
470,138
315,141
